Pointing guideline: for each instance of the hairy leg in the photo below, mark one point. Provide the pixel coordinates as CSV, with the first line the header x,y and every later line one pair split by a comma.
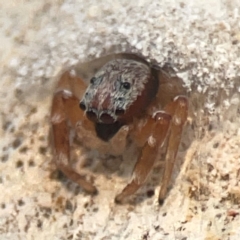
x,y
157,129
178,109
65,111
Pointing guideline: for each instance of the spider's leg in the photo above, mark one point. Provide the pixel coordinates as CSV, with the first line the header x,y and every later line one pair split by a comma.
x,y
178,109
155,132
64,111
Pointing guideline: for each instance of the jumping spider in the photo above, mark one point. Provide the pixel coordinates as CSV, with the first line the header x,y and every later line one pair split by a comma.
x,y
126,99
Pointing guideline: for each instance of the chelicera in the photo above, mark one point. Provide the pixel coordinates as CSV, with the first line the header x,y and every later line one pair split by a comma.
x,y
127,100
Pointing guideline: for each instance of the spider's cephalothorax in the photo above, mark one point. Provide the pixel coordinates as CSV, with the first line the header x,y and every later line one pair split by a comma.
x,y
120,90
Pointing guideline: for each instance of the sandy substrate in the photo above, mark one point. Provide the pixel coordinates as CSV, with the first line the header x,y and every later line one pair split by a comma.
x,y
201,41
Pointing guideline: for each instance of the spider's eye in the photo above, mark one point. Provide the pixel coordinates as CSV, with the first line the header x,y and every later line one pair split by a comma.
x,y
126,85
82,106
93,80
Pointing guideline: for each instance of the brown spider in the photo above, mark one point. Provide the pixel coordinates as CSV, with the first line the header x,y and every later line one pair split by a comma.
x,y
127,99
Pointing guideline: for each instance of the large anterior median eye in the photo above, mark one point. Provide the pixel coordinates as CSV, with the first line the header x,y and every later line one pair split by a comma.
x,y
126,85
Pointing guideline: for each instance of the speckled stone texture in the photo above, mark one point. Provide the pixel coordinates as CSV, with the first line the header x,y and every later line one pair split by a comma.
x,y
200,40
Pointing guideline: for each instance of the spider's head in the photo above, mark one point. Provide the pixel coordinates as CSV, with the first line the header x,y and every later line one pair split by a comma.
x,y
120,90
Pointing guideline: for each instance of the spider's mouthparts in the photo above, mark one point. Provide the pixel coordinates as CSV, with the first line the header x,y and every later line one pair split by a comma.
x,y
106,118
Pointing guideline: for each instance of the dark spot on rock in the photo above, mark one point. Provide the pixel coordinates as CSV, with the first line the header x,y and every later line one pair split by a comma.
x,y
18,93
26,227
77,190
46,215
4,158
23,149
6,125
215,145
234,42
95,209
68,205
39,223
16,143
210,127
34,127
31,163
225,177
210,167
33,110
150,193
57,175
203,208
3,205
12,129
164,214
145,236
41,138
21,202
46,210
70,237
19,164
42,150
156,227
59,204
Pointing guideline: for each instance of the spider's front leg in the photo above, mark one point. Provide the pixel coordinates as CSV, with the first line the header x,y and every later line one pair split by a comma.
x,y
65,111
153,133
178,109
